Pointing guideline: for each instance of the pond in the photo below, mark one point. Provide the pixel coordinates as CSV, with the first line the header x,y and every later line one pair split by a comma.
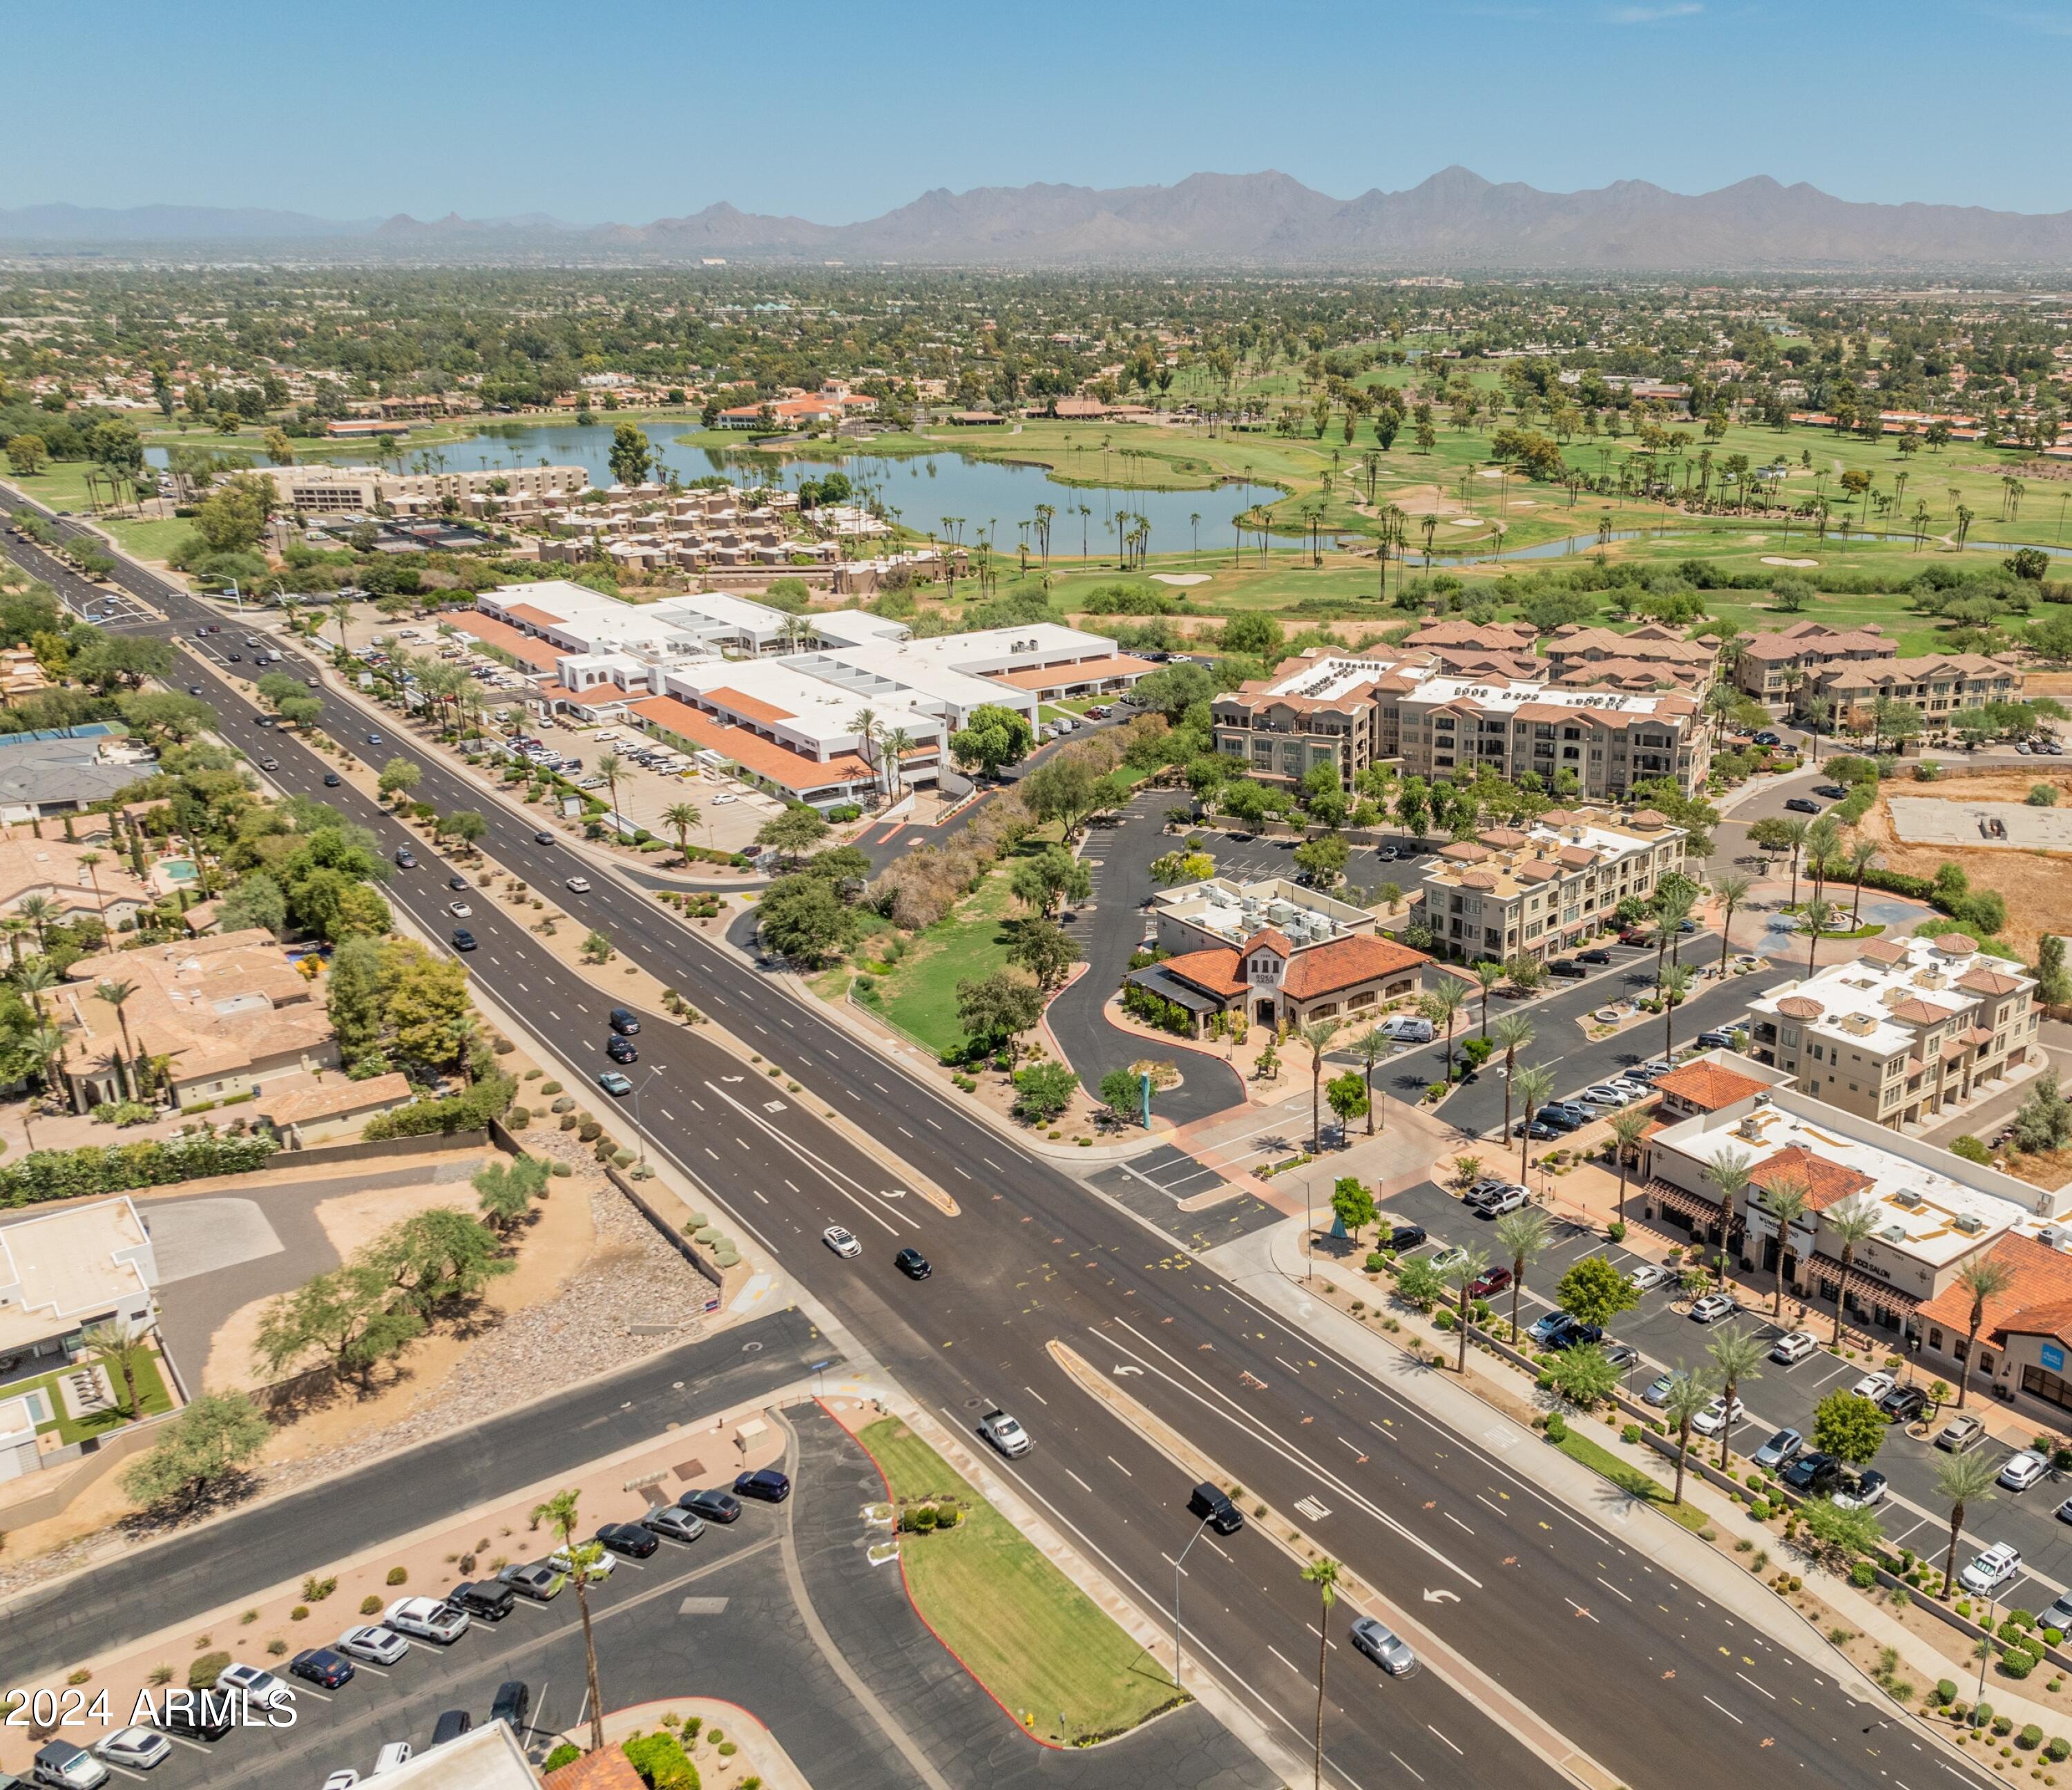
x,y
917,490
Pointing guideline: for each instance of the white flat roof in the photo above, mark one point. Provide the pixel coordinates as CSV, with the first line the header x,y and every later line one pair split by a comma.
x,y
1328,679
1504,694
731,612
65,1267
855,627
1862,989
879,671
815,710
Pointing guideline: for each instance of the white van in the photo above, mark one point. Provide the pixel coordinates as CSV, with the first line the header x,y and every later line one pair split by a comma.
x,y
1407,1029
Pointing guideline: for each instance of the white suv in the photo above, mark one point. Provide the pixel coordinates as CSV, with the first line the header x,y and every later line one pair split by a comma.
x,y
1993,1568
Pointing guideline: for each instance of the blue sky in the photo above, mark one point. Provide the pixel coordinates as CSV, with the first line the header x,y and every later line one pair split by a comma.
x,y
630,110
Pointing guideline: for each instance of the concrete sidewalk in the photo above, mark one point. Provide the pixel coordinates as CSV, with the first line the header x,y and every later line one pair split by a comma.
x,y
1270,1265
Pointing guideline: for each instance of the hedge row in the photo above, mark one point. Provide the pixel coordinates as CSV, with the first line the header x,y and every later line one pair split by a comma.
x,y
488,1099
118,1167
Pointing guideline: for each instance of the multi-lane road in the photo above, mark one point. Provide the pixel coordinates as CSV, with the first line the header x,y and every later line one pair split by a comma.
x,y
1552,1604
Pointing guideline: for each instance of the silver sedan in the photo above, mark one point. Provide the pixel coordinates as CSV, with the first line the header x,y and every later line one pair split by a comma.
x,y
1383,1645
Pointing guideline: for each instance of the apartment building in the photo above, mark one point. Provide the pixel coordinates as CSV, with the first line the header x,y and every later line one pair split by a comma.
x,y
1652,656
1771,666
1905,1029
1354,710
1538,890
1938,687
317,489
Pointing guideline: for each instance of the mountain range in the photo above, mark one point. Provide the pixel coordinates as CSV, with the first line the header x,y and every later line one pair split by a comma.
x,y
1456,220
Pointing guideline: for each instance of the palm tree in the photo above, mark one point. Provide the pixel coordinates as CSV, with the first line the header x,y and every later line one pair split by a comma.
x,y
1534,1087
1442,1005
1863,856
341,612
1513,1031
1984,1280
864,724
1317,1035
1523,1234
1473,1264
1850,1225
1787,1202
680,818
1819,918
1732,889
1373,1045
36,980
1669,909
1628,1128
609,766
895,744
1688,1394
119,1344
559,1514
1324,1574
1487,976
1735,1352
1675,985
1961,1480
116,995
40,911
90,862
1795,835
1824,840
1729,1173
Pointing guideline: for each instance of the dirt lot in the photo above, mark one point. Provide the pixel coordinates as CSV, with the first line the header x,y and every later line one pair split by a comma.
x,y
2038,886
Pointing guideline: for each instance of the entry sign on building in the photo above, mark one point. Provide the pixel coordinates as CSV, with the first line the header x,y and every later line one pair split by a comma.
x,y
2054,1357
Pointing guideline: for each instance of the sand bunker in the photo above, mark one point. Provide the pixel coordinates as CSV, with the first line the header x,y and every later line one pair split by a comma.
x,y
1179,577
1777,559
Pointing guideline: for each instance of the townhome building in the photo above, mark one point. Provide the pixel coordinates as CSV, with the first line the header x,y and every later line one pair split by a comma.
x,y
1574,652
1537,890
1902,1031
1938,687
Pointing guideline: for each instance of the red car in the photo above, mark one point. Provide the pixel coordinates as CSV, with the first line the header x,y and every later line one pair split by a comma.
x,y
1489,1281
1636,935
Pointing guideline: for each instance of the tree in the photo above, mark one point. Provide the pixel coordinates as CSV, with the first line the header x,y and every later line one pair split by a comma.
x,y
1352,1204
1460,1274
1534,1085
1673,987
1322,860
1053,875
1374,1044
28,454
631,456
345,1316
1123,1094
1594,1292
1982,1280
1324,1574
207,1443
399,777
1064,789
1348,1098
794,832
118,995
994,738
1961,1480
1818,917
1317,1036
1441,1004
121,1346
1786,1200
253,901
1042,1091
998,1008
803,918
1736,1354
559,1515
1418,1284
1844,1532
1729,1173
424,1003
2043,1122
1850,1225
1628,1128
1513,1033
1689,1393
1182,867
1521,1235
1583,1377
507,1190
680,818
1045,950
1849,1428
1732,888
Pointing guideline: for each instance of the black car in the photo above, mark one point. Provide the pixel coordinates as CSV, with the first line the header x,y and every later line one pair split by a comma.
x,y
1903,1404
321,1666
1567,969
332,779
405,858
765,1482
630,1539
1560,1124
1540,1131
450,1726
1834,792
1716,1040
1766,738
1406,1237
463,940
624,1021
912,1264
203,1715
1575,1334
1593,957
620,1050
514,1702
543,839
235,658
456,882
487,1599
1812,1473
1799,805
714,1506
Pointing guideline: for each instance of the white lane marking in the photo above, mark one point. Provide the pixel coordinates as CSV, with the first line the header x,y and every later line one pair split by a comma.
x,y
1036,1395
1081,1483
1412,1769
1727,1713
668,1114
1120,1468
1284,1659
1431,1730
831,1175
1614,1589
1752,1686
1579,1610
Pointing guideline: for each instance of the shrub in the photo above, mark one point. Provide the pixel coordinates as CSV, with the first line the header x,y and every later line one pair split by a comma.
x,y
1631,1433
370,1606
1863,1575
1982,1715
1375,1261
659,1758
399,1575
563,1755
277,1647
2058,1749
1944,1692
120,1168
300,1613
2030,1738
206,1669
2017,1663
316,1589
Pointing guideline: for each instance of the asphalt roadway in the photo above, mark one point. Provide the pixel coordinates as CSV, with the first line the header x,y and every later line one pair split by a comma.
x,y
1036,1256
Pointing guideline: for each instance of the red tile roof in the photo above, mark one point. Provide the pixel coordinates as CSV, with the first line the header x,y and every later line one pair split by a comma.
x,y
753,707
1709,1086
523,648
791,770
1346,964
1214,972
1825,1182
2034,1301
1982,981
608,1770
1269,938
539,618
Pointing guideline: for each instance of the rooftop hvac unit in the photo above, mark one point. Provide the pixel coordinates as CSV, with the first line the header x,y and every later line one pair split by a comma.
x,y
1969,1223
1907,1197
1893,1233
1279,912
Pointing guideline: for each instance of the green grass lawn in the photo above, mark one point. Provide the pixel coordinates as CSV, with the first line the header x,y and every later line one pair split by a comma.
x,y
919,995
151,1393
1629,1479
1024,1631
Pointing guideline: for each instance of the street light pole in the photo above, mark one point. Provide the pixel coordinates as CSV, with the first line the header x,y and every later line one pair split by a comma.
x,y
640,1131
1191,1541
1986,1645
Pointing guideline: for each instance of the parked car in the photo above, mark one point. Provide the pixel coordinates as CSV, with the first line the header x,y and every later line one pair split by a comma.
x,y
713,1504
259,1688
1621,1356
1444,1259
427,1619
1004,1434
1861,1491
1718,1416
1710,1307
1598,956
141,1749
1383,1645
912,1264
66,1765
1799,805
1903,1404
377,1646
450,1726
2019,1471
1495,1205
1540,1131
1794,1348
1406,1237
1407,1029
1961,1432
535,1579
1489,1282
1549,1326
513,1705
393,1756
1812,1473
1567,969
487,1599
321,1666
196,1717
629,1539
767,1484
1874,1387
1645,1276
1785,1447
674,1521
1992,1570
842,1240
1716,1041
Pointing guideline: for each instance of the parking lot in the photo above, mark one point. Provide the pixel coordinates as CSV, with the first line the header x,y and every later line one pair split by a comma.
x,y
1158,1186
1912,1515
